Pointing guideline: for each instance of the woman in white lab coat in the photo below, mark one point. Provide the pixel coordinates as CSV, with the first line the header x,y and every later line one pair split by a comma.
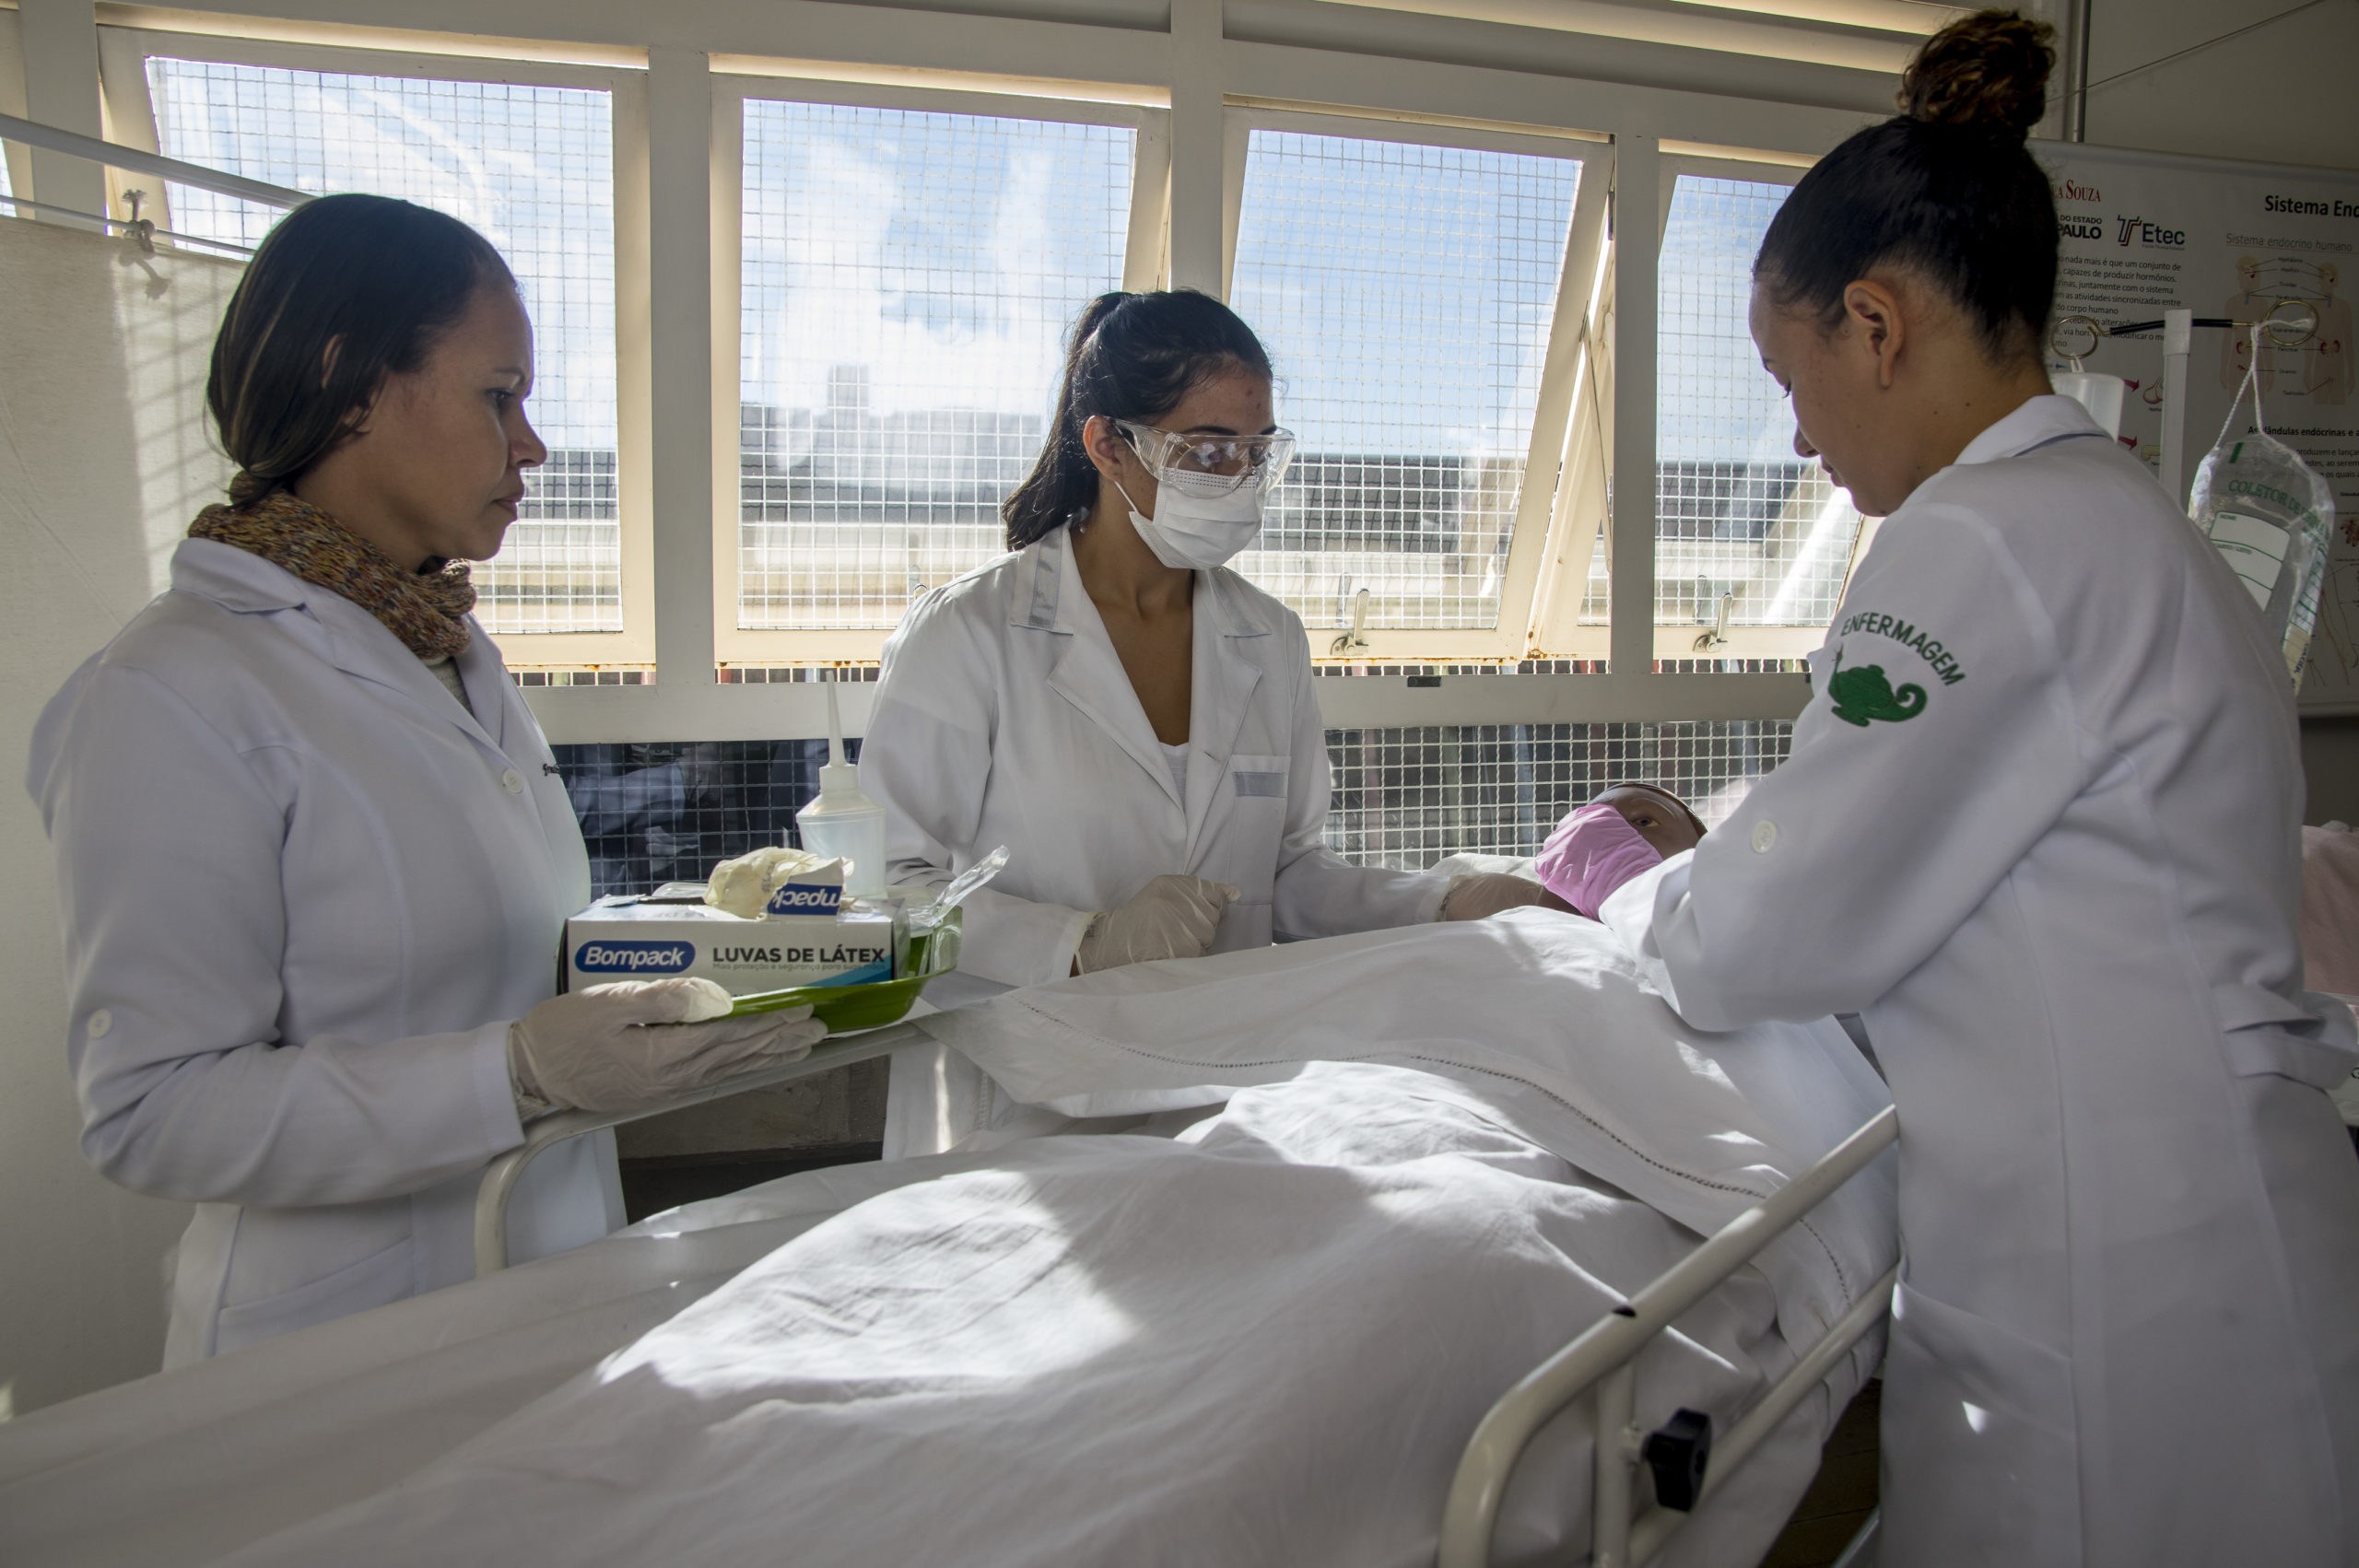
x,y
1133,721
2040,825
313,856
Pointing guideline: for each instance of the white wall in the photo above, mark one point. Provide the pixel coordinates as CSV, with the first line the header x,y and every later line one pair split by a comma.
x,y
94,486
2286,92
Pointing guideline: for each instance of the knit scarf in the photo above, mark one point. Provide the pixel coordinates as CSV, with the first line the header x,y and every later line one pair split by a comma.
x,y
426,609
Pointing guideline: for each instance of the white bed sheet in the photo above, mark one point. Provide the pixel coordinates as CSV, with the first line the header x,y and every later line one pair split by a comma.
x,y
1266,1343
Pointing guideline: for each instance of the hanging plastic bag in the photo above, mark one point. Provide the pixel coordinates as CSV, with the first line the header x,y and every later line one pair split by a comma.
x,y
2271,516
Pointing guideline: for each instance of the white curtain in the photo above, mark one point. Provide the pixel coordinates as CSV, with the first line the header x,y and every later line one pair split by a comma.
x,y
104,458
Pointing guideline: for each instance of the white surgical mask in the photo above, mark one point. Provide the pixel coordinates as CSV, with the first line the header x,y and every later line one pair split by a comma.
x,y
1197,532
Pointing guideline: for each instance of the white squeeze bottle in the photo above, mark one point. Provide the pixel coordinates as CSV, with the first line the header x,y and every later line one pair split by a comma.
x,y
842,823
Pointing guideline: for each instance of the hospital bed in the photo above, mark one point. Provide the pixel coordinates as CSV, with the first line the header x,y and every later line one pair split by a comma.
x,y
155,1468
1686,1465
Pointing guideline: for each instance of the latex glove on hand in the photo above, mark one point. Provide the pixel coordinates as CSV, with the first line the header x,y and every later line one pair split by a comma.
x,y
1172,916
1481,894
638,1043
1592,853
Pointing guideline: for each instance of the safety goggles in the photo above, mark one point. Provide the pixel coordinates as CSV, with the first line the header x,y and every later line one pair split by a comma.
x,y
1210,465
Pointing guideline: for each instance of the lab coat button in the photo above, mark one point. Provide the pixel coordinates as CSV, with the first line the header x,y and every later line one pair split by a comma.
x,y
512,781
101,1021
1765,832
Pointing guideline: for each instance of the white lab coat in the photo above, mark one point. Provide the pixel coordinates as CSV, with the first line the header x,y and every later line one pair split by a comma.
x,y
303,893
2061,885
1004,717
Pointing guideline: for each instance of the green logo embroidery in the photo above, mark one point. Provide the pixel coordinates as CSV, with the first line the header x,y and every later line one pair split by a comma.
x,y
1872,623
1861,692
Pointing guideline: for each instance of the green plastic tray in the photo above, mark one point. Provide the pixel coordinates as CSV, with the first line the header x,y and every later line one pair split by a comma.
x,y
871,1006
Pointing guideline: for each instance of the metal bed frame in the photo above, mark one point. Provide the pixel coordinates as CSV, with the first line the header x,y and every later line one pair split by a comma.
x,y
1687,1464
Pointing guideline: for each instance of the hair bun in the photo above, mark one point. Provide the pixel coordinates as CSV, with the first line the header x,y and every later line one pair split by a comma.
x,y
1988,71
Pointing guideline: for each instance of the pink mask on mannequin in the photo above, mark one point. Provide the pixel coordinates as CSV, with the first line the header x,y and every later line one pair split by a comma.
x,y
1592,853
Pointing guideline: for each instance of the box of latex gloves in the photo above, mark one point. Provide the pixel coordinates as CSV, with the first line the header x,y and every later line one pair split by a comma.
x,y
787,923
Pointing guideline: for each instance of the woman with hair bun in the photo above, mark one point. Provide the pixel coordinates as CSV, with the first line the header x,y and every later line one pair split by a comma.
x,y
2041,828
313,857
1132,719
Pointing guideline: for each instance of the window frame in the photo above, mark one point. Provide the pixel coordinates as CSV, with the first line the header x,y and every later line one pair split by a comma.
x,y
1782,106
123,53
1144,265
1539,518
1784,643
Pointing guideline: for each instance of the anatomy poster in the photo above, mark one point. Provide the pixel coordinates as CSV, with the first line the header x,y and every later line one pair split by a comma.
x,y
2143,234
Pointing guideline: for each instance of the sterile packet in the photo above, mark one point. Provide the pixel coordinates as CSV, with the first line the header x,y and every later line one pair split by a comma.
x,y
2271,518
929,930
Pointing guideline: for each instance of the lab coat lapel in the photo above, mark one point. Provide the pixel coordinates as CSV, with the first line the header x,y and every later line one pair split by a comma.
x,y
1224,682
337,629
489,687
362,647
1086,672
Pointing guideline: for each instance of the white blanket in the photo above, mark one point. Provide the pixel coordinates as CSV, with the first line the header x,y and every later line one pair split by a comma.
x,y
1447,1151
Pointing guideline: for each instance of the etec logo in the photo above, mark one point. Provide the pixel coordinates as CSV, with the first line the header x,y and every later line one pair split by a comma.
x,y
2154,234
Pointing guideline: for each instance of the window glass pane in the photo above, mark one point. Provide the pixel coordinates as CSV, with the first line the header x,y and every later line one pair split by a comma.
x,y
1737,513
1405,294
533,170
908,282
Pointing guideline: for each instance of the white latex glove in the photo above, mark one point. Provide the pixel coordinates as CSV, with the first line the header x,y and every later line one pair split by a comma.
x,y
595,1049
1172,916
1486,892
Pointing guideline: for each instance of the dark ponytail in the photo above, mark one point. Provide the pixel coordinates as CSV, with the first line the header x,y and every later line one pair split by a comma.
x,y
1133,356
1946,189
377,279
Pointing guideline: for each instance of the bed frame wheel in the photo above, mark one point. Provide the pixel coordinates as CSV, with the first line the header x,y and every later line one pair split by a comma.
x,y
1677,1452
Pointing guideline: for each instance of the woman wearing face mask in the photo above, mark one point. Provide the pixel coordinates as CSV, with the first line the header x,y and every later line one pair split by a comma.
x,y
1131,719
2041,827
313,857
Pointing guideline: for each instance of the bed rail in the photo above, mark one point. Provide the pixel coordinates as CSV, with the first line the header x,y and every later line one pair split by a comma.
x,y
500,1177
1600,1363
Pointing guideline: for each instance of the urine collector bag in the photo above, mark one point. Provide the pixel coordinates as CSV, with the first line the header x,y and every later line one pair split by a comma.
x,y
2271,516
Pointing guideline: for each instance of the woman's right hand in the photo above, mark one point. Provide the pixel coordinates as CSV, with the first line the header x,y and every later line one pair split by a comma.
x,y
1172,916
638,1043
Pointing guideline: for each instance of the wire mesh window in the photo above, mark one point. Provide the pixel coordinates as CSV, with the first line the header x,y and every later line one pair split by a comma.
x,y
532,168
1738,516
909,279
663,811
1405,294
1404,798
1597,593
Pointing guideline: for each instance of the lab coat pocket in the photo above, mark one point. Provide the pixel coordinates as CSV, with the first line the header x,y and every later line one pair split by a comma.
x,y
2266,1050
1980,1441
1260,779
381,1278
1248,821
1243,827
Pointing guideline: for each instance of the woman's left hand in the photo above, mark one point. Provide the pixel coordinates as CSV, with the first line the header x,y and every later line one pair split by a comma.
x,y
1481,894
